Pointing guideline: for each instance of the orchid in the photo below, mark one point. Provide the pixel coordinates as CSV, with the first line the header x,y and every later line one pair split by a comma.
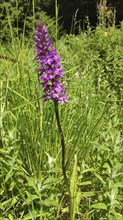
x,y
50,71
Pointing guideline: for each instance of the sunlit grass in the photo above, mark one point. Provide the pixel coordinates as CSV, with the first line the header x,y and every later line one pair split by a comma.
x,y
31,176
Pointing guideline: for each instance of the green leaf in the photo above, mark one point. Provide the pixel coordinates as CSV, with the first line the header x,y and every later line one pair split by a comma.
x,y
30,198
73,190
9,175
50,202
99,177
85,183
5,203
87,194
99,206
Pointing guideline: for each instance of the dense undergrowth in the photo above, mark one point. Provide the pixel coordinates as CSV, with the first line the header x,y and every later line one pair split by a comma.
x,y
31,182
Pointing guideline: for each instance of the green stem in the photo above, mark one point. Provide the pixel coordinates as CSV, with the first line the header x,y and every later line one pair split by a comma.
x,y
66,180
62,145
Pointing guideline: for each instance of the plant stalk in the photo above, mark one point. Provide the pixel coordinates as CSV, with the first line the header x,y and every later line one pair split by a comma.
x,y
62,145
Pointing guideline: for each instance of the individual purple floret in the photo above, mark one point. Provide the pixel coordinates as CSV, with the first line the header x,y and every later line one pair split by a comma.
x,y
50,71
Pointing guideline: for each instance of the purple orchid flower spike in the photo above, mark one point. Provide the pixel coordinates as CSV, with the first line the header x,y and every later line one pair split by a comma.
x,y
50,71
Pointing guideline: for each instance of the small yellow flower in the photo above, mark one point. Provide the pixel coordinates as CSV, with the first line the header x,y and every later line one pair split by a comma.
x,y
105,33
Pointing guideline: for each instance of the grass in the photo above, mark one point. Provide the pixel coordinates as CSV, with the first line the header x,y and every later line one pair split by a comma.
x,y
31,176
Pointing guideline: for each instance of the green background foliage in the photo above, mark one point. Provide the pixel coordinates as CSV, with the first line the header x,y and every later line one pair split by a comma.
x,y
73,15
20,16
31,181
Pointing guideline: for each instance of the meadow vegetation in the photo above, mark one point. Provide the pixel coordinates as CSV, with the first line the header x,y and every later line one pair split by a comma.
x,y
31,181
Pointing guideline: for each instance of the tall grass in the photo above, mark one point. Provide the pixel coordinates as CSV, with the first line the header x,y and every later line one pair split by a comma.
x,y
31,179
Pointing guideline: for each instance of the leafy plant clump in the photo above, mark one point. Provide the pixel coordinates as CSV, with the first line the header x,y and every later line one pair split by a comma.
x,y
20,17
